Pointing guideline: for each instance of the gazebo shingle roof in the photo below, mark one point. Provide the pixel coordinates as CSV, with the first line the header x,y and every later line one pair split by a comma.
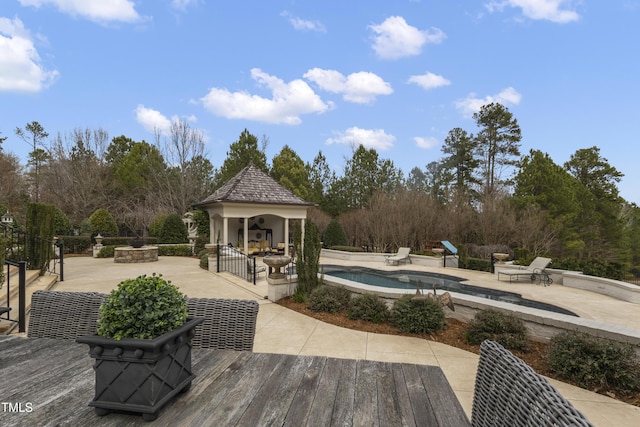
x,y
251,185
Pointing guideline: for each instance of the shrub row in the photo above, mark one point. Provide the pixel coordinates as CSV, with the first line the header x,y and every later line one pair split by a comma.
x,y
587,361
579,358
408,314
347,248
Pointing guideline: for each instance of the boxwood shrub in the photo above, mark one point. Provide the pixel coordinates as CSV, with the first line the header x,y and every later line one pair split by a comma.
x,y
331,299
204,261
145,308
369,307
417,315
497,326
594,362
175,250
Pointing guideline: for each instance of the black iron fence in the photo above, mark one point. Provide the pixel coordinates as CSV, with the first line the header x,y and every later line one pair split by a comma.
x,y
22,292
233,261
19,252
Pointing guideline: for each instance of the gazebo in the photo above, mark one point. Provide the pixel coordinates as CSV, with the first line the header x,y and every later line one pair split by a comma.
x,y
252,210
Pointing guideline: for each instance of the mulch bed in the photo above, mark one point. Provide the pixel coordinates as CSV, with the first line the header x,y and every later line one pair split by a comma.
x,y
453,335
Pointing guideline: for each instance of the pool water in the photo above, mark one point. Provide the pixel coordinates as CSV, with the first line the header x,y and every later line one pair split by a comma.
x,y
405,279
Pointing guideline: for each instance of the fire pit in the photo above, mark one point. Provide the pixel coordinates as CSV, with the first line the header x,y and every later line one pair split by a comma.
x,y
277,262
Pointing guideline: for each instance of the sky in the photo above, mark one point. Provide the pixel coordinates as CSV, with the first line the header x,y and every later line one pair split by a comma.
x,y
393,75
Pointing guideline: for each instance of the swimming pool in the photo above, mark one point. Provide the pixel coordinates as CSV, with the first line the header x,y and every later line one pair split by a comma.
x,y
406,279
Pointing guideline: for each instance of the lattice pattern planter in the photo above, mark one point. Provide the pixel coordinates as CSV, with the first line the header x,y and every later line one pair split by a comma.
x,y
141,376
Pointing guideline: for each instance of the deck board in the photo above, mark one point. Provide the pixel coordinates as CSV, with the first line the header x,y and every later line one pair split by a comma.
x,y
233,388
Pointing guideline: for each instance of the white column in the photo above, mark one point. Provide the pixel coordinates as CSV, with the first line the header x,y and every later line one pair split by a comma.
x,y
212,229
246,236
286,236
225,231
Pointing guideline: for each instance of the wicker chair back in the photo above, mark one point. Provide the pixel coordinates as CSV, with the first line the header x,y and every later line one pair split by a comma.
x,y
509,393
229,324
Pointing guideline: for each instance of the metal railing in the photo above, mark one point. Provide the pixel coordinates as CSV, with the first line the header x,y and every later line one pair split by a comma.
x,y
231,260
17,244
22,292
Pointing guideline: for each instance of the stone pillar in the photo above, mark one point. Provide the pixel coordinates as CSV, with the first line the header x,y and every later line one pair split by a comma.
x,y
280,288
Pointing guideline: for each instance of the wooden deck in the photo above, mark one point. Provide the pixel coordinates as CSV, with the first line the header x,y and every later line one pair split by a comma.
x,y
52,382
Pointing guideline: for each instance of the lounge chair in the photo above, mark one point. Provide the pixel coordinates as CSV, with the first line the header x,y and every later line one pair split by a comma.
x,y
532,271
401,256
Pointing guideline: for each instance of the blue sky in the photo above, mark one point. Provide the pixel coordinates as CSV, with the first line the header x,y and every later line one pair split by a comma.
x,y
394,75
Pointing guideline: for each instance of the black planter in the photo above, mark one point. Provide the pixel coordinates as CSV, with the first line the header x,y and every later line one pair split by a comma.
x,y
141,376
137,242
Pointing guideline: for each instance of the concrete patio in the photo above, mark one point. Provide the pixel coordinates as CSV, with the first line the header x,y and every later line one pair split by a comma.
x,y
280,330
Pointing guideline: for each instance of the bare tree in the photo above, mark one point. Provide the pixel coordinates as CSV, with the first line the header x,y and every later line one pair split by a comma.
x,y
534,233
495,221
76,176
188,178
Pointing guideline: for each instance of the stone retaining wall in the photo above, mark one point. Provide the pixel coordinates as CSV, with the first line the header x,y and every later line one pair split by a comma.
x,y
130,255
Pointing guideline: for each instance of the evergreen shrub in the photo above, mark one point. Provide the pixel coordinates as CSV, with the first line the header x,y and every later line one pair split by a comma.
x,y
307,260
76,244
61,224
144,308
40,231
204,261
203,252
107,251
594,362
348,248
417,315
102,222
331,299
155,226
173,230
175,250
371,308
497,326
334,235
202,223
3,247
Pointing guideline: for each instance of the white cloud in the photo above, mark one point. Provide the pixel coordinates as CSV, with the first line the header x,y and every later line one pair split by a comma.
x,y
394,38
360,88
94,10
428,142
559,11
153,120
471,104
303,24
20,66
182,4
287,103
429,80
369,138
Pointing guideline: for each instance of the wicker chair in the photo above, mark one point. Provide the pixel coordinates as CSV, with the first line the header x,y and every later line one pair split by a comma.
x,y
229,324
63,315
508,392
